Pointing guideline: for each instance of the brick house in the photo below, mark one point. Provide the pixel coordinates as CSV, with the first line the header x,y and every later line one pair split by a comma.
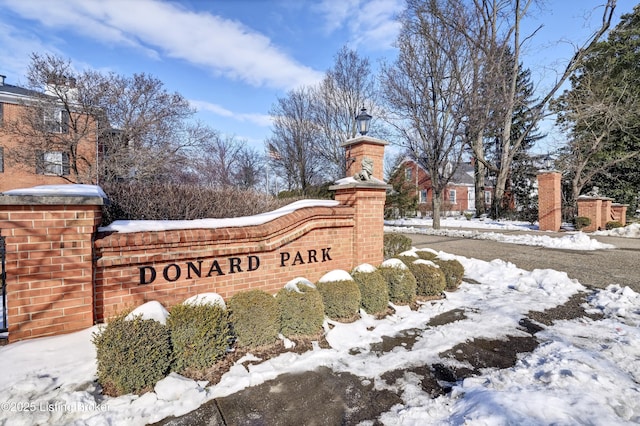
x,y
459,196
50,163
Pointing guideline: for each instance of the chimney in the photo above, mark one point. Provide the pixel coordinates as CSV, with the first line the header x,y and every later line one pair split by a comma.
x,y
2,77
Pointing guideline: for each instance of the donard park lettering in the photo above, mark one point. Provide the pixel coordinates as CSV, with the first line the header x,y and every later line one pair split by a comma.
x,y
229,265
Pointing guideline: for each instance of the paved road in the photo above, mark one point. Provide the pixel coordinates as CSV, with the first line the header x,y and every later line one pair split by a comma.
x,y
597,268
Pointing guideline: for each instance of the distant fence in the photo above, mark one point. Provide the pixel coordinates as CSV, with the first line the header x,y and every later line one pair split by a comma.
x,y
64,274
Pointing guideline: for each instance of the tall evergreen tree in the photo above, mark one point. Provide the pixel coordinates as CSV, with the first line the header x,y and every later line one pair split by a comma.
x,y
601,115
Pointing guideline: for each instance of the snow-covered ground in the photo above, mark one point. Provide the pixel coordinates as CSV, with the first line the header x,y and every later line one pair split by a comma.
x,y
583,372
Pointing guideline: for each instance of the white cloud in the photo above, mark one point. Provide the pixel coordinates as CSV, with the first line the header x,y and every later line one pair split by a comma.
x,y
262,120
225,47
371,23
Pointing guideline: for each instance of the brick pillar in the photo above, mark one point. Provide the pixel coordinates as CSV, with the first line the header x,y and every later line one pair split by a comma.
x,y
364,146
367,198
619,212
590,207
49,262
368,201
549,201
606,215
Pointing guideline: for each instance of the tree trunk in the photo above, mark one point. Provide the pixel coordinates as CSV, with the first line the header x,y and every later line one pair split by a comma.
x,y
480,172
436,202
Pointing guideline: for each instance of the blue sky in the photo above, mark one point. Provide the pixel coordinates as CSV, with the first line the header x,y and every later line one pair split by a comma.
x,y
233,58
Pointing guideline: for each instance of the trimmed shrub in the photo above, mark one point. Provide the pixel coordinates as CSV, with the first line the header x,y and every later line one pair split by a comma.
x,y
453,272
612,225
430,280
373,289
582,222
301,309
255,318
200,335
394,244
341,297
132,355
401,282
426,254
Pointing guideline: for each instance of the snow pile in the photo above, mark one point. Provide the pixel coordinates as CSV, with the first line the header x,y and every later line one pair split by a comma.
x,y
150,311
165,225
294,284
574,241
66,190
206,299
630,231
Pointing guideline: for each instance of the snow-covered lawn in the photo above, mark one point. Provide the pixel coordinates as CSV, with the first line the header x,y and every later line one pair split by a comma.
x,y
584,371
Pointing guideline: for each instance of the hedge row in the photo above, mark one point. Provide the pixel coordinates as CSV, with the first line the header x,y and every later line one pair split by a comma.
x,y
134,353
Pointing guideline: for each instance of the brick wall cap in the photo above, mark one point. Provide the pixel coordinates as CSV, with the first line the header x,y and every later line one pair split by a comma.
x,y
361,185
587,197
50,200
363,139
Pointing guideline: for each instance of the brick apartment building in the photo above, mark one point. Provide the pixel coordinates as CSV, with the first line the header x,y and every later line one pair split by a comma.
x,y
62,150
459,196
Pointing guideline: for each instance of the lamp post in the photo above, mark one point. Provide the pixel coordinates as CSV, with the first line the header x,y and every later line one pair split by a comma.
x,y
362,121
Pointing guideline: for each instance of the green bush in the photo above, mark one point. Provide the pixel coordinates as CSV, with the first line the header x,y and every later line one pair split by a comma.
x,y
426,254
341,297
200,335
395,243
255,318
373,289
401,282
453,272
430,280
612,225
582,222
132,355
301,309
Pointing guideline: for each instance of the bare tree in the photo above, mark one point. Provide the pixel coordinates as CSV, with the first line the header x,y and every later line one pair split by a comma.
x,y
292,148
510,16
344,90
249,170
58,123
152,131
424,91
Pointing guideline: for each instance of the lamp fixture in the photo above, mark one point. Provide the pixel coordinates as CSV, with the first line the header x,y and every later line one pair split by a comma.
x,y
362,121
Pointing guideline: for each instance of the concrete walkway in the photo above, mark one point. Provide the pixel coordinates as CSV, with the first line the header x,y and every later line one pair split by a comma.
x,y
595,269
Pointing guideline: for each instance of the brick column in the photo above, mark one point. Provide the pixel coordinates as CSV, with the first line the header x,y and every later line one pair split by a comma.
x,y
619,212
606,215
364,146
49,262
549,201
367,197
590,207
368,200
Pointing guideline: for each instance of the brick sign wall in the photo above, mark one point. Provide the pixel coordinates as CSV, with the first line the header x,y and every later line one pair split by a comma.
x,y
170,266
63,275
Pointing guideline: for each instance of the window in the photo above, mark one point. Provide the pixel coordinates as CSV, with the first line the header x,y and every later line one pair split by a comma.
x,y
1,113
55,163
56,121
1,158
423,196
487,197
407,173
452,196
